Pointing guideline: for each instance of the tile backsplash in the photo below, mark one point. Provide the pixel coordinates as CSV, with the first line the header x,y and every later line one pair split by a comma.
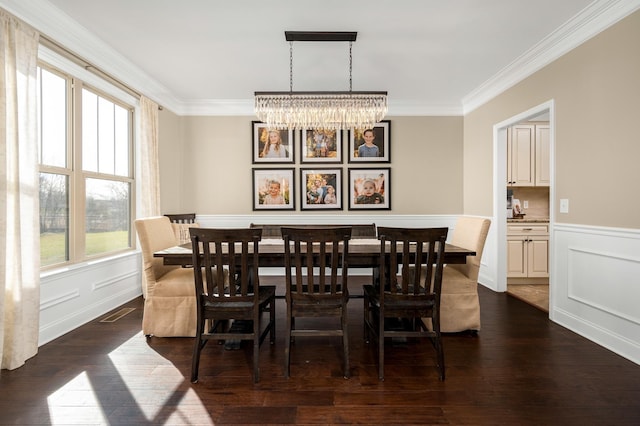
x,y
538,198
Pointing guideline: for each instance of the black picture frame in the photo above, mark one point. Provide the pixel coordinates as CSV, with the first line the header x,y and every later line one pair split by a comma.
x,y
315,189
382,141
264,179
284,154
321,146
376,179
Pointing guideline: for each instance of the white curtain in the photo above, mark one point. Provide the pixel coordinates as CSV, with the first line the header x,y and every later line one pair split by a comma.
x,y
149,169
19,202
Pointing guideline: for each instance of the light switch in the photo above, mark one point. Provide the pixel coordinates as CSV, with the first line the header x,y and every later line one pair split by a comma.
x,y
525,204
564,205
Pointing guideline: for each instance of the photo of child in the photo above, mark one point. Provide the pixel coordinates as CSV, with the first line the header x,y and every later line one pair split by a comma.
x,y
273,189
271,145
369,188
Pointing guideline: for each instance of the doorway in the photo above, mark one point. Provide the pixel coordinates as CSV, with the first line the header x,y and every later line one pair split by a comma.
x,y
500,202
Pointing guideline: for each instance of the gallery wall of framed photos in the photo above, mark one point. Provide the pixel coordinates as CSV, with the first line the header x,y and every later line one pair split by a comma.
x,y
320,181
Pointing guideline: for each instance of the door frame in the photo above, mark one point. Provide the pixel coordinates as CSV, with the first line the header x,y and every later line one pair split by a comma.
x,y
500,192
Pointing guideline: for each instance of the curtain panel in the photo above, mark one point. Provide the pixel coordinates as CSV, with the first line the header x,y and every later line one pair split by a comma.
x,y
19,193
149,169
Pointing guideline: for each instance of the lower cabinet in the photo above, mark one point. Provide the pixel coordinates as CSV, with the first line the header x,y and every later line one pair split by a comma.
x,y
527,251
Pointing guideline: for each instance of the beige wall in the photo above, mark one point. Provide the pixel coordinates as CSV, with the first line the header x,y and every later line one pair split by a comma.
x,y
205,164
596,89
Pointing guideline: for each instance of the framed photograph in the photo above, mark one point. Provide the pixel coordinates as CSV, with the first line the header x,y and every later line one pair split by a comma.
x,y
371,145
320,146
321,189
273,189
271,145
370,189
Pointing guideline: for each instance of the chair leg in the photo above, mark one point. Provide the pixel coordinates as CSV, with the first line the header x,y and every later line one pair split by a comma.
x,y
366,319
272,321
256,349
197,348
380,346
439,348
287,347
345,343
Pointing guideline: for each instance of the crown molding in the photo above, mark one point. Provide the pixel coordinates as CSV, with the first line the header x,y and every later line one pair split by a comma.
x,y
591,21
244,107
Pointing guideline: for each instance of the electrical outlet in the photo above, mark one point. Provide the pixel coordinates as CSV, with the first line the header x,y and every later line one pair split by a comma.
x,y
564,205
525,204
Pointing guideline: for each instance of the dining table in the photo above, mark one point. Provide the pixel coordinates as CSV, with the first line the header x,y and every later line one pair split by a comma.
x,y
363,253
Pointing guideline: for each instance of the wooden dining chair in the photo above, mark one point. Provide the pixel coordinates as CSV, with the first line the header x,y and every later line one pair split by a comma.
x,y
182,218
313,295
399,296
235,250
181,224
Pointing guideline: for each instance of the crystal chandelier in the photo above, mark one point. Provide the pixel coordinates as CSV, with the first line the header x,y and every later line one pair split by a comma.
x,y
320,110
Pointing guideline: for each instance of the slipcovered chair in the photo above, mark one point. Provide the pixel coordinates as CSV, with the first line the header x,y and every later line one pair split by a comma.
x,y
459,302
170,298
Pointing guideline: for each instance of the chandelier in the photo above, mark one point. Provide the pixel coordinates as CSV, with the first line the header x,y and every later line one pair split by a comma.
x,y
320,110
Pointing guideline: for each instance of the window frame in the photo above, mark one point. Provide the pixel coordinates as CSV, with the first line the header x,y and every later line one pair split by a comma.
x,y
77,176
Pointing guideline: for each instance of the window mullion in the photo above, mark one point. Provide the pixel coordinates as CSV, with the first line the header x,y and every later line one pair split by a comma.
x,y
77,182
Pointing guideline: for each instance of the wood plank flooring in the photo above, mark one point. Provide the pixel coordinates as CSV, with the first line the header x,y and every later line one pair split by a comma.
x,y
533,294
521,369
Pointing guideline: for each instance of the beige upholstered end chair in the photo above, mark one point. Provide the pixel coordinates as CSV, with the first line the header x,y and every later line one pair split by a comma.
x,y
170,297
459,302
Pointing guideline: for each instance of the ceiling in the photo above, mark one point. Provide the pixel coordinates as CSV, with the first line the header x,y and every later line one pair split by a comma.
x,y
432,56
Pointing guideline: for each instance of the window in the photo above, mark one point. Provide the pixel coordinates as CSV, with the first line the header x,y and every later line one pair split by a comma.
x,y
86,172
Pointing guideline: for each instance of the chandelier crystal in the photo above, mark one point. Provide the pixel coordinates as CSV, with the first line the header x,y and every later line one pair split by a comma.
x,y
320,110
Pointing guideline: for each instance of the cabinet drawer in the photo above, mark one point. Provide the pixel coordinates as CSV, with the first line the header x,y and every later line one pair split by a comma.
x,y
527,229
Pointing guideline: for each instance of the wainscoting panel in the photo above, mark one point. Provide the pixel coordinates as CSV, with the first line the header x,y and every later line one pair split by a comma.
x,y
75,295
596,287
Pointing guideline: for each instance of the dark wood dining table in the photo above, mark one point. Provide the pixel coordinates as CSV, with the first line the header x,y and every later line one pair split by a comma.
x,y
363,253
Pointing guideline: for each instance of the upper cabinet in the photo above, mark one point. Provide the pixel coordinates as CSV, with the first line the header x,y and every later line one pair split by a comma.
x,y
543,156
528,155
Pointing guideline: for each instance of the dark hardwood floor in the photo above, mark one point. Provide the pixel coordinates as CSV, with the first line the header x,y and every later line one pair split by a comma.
x,y
521,369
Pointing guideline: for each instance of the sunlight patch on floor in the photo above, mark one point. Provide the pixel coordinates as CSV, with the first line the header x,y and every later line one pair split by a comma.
x,y
64,403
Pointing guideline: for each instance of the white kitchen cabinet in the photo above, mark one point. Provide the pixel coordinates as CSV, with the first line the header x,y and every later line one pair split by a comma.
x,y
527,250
528,156
543,155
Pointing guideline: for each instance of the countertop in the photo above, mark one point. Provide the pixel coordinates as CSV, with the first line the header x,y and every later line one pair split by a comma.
x,y
529,220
